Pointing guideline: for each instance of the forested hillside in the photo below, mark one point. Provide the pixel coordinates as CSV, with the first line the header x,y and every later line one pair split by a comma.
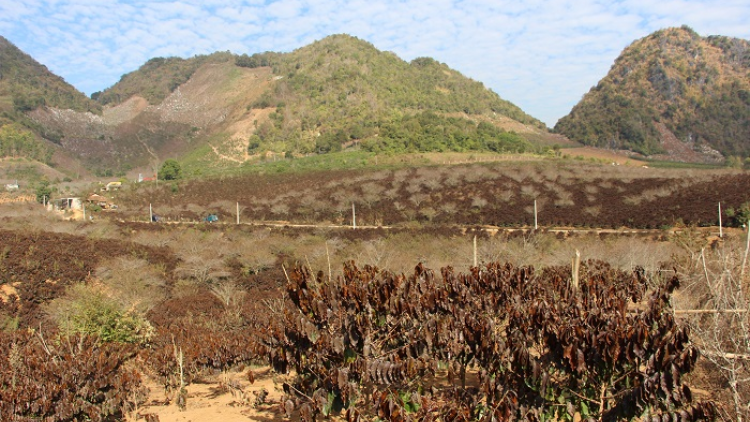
x,y
342,89
25,85
672,83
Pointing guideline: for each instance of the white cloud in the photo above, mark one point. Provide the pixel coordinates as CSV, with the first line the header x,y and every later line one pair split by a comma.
x,y
542,55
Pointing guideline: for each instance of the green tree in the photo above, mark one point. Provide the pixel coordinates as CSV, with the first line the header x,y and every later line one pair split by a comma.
x,y
738,217
43,191
170,170
733,161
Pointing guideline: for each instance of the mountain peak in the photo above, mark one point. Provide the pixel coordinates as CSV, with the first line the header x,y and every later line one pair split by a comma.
x,y
672,84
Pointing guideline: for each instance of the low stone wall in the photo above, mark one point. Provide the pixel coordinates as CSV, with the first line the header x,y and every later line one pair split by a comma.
x,y
7,198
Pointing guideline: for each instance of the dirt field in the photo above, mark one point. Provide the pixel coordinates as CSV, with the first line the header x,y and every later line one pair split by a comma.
x,y
215,401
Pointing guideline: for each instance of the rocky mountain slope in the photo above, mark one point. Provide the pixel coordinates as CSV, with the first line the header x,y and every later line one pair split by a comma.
x,y
671,95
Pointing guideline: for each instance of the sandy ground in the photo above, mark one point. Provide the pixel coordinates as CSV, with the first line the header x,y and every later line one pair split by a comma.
x,y
214,401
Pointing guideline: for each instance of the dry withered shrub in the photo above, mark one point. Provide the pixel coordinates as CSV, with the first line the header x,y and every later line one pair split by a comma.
x,y
64,379
371,342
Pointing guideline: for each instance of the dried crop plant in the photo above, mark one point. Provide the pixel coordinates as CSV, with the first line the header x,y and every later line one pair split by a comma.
x,y
593,211
632,200
229,293
529,191
224,206
452,180
376,253
661,192
232,296
506,195
202,255
564,198
432,183
135,284
414,186
473,174
154,238
449,208
592,189
417,198
400,176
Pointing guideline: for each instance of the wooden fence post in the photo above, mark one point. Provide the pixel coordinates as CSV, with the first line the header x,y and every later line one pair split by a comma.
x,y
475,250
575,268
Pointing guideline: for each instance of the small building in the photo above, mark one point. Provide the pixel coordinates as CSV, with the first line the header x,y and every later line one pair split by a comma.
x,y
68,208
101,201
113,186
65,204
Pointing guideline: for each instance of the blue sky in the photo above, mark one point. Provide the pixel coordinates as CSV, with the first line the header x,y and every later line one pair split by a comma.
x,y
540,55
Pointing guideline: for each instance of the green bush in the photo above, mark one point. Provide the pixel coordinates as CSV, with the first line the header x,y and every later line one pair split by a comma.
x,y
170,170
740,216
87,311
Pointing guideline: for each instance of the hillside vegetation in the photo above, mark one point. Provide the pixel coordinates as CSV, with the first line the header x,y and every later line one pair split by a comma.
x,y
672,95
342,91
26,85
15,141
157,78
672,83
335,94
